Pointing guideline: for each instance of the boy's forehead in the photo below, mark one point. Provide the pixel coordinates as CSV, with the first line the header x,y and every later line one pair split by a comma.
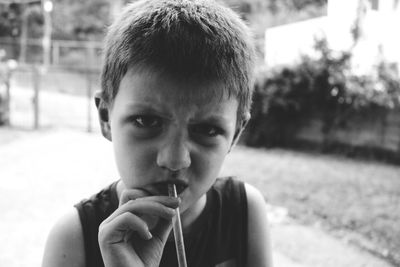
x,y
150,86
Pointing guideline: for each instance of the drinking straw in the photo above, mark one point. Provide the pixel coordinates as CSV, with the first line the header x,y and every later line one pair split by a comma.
x,y
177,227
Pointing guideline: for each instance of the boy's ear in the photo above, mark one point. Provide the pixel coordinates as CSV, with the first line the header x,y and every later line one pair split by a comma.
x,y
239,131
103,112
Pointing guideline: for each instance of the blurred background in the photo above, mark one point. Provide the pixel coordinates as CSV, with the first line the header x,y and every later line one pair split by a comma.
x,y
323,144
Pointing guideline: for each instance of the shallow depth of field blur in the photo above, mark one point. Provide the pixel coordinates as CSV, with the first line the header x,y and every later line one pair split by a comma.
x,y
323,145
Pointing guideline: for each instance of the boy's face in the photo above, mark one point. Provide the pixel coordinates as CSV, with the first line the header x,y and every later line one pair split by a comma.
x,y
160,135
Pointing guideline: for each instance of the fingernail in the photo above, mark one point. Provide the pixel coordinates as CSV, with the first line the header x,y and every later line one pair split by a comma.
x,y
149,235
176,199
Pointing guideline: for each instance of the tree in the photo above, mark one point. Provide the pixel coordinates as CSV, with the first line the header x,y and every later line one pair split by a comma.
x,y
80,19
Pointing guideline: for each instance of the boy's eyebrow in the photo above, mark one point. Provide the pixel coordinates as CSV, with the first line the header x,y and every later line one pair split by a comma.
x,y
140,105
214,119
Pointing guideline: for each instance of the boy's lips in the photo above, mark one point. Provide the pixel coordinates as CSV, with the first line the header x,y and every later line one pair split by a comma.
x,y
161,188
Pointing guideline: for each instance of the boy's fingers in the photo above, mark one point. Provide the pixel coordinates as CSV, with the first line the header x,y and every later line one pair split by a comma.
x,y
171,202
115,230
131,194
141,207
163,230
137,194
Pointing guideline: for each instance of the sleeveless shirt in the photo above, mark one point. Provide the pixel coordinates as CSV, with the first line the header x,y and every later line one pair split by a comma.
x,y
218,237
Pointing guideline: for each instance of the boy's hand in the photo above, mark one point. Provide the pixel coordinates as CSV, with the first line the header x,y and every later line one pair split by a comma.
x,y
135,234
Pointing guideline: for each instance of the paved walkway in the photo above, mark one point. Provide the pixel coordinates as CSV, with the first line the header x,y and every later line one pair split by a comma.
x,y
40,174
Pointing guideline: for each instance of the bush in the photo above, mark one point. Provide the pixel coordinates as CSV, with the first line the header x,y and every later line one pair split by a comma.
x,y
286,98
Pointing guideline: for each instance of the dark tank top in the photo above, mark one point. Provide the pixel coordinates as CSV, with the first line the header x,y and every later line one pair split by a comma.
x,y
217,238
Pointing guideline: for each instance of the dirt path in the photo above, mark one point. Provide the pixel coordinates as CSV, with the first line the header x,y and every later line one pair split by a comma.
x,y
40,174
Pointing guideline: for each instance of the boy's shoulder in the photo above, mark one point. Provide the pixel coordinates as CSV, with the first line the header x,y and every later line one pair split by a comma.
x,y
65,244
105,199
229,190
228,181
236,193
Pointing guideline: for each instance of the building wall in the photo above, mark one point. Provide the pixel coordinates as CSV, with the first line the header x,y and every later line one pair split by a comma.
x,y
284,44
378,37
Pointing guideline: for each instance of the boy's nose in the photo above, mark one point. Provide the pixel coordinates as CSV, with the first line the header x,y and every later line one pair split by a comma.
x,y
174,155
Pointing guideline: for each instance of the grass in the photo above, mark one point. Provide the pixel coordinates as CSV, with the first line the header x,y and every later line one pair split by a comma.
x,y
357,200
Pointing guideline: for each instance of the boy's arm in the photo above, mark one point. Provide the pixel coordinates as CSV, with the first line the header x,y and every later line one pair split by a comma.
x,y
258,243
65,244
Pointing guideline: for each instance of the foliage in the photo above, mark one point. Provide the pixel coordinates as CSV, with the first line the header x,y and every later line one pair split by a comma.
x,y
12,19
80,19
86,20
72,19
20,21
274,6
286,98
295,4
9,20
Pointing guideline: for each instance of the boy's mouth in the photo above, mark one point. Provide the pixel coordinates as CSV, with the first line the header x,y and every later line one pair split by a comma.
x,y
161,188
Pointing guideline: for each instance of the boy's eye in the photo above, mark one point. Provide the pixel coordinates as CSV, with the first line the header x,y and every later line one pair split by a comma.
x,y
207,130
147,121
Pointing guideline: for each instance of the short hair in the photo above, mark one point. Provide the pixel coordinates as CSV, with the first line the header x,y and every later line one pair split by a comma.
x,y
190,39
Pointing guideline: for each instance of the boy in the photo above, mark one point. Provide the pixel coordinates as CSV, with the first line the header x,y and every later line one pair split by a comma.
x,y
176,93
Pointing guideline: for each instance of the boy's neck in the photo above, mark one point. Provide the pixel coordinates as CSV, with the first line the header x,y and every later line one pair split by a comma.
x,y
191,214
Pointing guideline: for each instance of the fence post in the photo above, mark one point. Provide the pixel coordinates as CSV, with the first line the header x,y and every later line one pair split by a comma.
x,y
56,53
89,98
8,97
36,89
